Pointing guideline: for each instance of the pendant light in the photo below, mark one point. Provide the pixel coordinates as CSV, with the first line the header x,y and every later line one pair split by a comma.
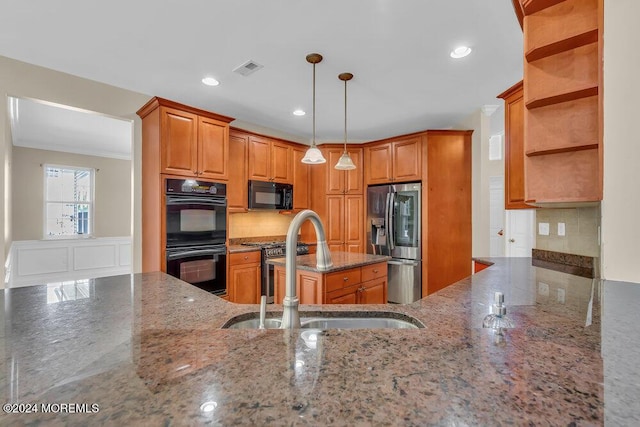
x,y
314,156
345,163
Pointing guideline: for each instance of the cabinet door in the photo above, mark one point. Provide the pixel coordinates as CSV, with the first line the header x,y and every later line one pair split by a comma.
x,y
335,223
179,142
301,198
237,188
514,148
354,178
309,287
343,296
259,158
279,278
378,163
353,220
281,162
373,291
213,148
335,177
407,160
245,283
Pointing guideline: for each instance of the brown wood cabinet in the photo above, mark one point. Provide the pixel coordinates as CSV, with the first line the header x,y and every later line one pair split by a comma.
x,y
394,161
341,181
345,223
563,101
447,209
244,278
178,141
301,181
193,145
269,160
237,188
514,196
359,285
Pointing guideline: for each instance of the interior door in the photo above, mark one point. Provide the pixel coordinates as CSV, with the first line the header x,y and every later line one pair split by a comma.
x,y
520,232
496,216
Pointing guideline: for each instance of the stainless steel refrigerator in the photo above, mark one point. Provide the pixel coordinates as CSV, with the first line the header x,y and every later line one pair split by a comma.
x,y
393,228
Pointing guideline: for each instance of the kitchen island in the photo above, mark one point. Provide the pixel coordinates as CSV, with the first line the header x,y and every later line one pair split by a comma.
x,y
354,278
149,349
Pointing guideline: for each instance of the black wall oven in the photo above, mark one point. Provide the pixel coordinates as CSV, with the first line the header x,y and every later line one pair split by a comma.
x,y
196,232
202,266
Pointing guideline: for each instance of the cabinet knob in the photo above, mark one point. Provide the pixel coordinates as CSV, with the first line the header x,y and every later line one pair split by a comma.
x,y
375,270
246,257
345,278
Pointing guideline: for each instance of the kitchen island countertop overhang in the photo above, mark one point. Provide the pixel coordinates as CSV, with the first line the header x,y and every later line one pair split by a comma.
x,y
148,348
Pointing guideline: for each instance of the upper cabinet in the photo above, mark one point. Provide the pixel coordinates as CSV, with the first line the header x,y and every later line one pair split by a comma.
x,y
395,161
237,194
514,147
192,142
341,181
269,160
301,181
563,101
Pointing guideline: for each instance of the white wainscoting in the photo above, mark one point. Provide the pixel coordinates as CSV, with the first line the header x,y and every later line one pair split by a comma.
x,y
33,262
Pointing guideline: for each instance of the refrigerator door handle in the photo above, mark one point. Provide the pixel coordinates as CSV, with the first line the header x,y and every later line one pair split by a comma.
x,y
390,225
403,262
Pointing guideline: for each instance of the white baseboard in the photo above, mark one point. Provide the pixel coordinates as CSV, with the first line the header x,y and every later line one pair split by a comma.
x,y
33,262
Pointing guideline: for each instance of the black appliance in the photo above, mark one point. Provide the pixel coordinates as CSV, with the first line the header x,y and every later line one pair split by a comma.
x,y
204,266
271,250
196,232
196,212
270,195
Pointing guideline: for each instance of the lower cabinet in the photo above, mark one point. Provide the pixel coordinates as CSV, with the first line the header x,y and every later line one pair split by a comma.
x,y
358,285
244,278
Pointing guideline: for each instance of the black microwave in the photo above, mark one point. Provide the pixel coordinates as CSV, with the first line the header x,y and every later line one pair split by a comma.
x,y
270,195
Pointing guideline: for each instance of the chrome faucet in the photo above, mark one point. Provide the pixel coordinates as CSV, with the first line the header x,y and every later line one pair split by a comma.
x,y
290,316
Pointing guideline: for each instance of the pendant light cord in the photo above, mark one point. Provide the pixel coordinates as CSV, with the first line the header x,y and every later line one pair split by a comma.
x,y
345,116
313,143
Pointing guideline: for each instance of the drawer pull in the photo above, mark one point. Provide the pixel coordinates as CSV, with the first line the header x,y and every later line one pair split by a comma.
x,y
345,278
246,257
375,270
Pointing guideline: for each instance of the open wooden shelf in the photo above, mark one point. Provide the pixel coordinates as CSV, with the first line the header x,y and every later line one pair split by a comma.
x,y
579,93
559,46
533,6
566,149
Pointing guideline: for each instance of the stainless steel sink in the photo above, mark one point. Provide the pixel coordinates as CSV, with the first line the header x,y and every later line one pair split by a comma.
x,y
332,321
253,324
355,323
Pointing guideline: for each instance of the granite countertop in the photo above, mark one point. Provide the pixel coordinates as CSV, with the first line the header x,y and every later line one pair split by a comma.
x,y
341,261
233,249
148,350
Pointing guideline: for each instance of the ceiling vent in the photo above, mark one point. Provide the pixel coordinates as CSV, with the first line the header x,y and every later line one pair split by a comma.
x,y
247,68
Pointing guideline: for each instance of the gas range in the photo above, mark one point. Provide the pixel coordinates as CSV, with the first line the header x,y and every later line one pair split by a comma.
x,y
273,249
276,249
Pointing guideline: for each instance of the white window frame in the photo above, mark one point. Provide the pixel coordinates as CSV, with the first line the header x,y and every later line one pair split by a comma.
x,y
91,202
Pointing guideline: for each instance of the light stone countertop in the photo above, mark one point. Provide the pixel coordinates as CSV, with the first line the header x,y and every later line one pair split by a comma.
x,y
148,350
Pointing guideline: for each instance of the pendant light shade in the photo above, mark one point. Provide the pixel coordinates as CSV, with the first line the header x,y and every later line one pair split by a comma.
x,y
345,162
314,156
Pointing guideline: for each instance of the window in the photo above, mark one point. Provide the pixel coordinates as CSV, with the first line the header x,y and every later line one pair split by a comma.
x,y
68,201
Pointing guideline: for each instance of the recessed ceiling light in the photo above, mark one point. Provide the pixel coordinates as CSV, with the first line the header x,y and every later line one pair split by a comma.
x,y
299,113
460,52
210,81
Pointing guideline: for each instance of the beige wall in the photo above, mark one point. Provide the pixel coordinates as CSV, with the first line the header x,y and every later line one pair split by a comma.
x,y
480,124
112,216
621,203
256,224
581,231
20,79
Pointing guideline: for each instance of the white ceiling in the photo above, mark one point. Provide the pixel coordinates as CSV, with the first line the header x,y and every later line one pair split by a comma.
x,y
398,51
48,126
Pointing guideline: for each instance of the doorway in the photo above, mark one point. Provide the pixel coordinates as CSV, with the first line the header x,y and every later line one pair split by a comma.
x,y
519,232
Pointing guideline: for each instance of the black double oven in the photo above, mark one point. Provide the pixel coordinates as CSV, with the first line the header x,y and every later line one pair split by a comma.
x,y
196,232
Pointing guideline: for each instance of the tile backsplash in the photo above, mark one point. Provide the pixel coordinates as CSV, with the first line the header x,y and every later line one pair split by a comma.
x,y
581,230
258,223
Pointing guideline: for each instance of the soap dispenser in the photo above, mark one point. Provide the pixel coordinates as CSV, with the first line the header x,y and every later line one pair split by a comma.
x,y
498,318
